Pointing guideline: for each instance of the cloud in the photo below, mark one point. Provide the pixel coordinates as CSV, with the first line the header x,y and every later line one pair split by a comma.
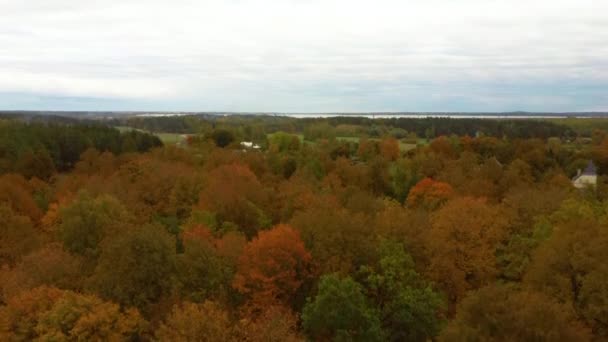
x,y
307,55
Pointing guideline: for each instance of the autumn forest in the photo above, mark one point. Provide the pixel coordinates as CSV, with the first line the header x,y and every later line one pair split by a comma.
x,y
264,228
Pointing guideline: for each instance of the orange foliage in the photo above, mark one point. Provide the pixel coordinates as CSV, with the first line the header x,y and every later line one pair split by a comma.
x,y
234,193
272,267
16,191
275,323
442,145
389,149
429,193
48,314
198,232
51,217
462,242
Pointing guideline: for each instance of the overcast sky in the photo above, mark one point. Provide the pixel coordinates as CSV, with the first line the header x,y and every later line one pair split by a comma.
x,y
304,55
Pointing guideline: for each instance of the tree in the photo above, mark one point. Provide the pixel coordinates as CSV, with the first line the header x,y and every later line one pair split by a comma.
x,y
201,269
87,220
196,322
47,313
222,137
570,265
284,142
442,145
235,195
137,267
338,240
17,235
403,178
410,310
273,267
368,149
429,194
461,242
600,155
500,313
49,265
16,192
341,312
274,324
36,164
389,149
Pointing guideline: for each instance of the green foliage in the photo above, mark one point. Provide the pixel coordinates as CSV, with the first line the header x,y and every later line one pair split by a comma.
x,y
37,149
514,257
403,178
410,309
284,142
187,227
222,137
201,271
136,268
341,312
88,220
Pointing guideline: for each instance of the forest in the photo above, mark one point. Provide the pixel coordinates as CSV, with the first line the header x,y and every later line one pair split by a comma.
x,y
262,228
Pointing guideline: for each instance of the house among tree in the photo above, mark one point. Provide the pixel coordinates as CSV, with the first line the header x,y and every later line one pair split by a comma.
x,y
586,178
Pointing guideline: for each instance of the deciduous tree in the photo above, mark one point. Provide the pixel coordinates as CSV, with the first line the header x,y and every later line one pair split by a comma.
x,y
273,267
341,312
500,313
461,242
50,314
429,194
189,322
136,268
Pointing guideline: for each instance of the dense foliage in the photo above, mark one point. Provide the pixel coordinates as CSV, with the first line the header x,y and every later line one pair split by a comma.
x,y
38,149
328,232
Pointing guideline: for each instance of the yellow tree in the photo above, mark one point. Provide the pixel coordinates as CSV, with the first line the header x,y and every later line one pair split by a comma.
x,y
499,313
50,314
461,244
196,322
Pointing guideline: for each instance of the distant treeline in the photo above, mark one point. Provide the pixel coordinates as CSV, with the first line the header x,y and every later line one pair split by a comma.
x,y
37,149
397,127
434,127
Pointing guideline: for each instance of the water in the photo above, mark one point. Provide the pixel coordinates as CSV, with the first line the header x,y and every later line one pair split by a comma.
x,y
436,115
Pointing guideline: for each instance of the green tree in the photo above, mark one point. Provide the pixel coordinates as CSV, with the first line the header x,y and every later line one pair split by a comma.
x,y
137,267
341,312
571,264
200,269
410,310
222,137
88,220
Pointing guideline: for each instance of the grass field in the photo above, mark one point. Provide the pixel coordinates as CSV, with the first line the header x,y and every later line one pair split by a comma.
x,y
169,138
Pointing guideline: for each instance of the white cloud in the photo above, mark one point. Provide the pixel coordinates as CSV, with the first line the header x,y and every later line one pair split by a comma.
x,y
301,53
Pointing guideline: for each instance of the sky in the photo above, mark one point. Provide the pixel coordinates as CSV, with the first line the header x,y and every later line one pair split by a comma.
x,y
304,55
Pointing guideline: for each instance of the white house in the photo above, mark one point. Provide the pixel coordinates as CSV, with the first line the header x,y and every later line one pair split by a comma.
x,y
586,178
249,144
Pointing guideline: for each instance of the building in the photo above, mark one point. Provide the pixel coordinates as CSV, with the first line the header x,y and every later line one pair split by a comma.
x,y
249,145
586,178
